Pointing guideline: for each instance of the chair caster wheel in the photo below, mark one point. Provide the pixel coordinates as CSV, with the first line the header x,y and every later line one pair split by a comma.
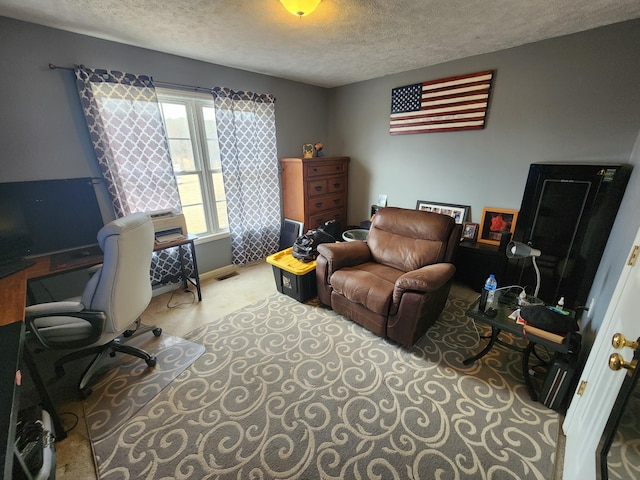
x,y
59,372
112,354
128,333
84,393
157,331
152,362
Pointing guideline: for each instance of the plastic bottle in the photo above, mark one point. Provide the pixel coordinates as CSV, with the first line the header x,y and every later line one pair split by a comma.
x,y
488,293
560,305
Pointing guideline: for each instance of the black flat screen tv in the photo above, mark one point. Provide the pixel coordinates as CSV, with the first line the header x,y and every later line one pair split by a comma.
x,y
47,216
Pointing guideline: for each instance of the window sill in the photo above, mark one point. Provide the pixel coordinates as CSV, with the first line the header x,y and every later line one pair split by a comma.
x,y
211,237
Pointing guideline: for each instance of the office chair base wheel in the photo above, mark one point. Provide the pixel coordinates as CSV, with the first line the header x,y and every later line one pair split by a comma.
x,y
157,331
59,372
128,333
84,393
151,362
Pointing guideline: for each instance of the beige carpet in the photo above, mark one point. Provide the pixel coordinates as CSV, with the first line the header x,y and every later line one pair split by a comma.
x,y
287,390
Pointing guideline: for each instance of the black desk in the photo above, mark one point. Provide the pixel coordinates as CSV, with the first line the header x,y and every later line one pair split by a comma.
x,y
502,323
181,244
11,344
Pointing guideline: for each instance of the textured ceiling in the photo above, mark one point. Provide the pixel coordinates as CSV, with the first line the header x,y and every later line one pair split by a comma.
x,y
342,42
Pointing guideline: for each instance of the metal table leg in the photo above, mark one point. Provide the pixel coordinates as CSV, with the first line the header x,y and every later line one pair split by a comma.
x,y
492,340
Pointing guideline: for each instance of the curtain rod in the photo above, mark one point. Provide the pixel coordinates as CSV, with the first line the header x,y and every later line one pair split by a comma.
x,y
157,82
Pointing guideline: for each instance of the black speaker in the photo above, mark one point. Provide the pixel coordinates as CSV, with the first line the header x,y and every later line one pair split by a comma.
x,y
558,382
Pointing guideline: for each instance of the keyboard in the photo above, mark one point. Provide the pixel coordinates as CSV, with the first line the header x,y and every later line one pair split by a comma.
x,y
14,266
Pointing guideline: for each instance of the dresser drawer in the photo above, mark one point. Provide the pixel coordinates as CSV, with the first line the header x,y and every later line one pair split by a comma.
x,y
317,187
327,202
323,169
320,219
336,184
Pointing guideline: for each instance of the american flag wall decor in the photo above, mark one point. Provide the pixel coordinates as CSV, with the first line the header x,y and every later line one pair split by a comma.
x,y
445,105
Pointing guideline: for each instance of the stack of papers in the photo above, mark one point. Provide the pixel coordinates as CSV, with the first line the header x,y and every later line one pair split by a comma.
x,y
171,237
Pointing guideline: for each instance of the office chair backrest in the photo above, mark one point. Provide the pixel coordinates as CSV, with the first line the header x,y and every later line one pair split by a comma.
x,y
122,286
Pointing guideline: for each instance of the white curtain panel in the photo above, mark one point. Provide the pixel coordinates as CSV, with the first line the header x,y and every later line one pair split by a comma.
x,y
247,137
129,139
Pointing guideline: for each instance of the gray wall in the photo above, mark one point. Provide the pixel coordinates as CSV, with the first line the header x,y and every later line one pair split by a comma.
x,y
43,134
570,99
573,99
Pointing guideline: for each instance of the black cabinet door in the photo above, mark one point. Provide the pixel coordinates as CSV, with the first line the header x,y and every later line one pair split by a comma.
x,y
567,212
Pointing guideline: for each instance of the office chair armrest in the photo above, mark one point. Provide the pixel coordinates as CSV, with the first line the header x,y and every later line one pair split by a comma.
x,y
53,308
95,318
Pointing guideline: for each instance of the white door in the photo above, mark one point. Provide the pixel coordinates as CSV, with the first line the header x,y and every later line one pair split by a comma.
x,y
590,408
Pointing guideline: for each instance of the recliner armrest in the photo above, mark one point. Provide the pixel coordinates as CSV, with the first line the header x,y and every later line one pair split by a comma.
x,y
426,279
345,254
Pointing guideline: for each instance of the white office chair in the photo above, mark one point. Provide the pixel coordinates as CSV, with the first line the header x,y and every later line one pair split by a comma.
x,y
111,303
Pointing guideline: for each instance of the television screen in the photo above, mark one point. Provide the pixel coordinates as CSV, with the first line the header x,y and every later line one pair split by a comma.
x,y
48,216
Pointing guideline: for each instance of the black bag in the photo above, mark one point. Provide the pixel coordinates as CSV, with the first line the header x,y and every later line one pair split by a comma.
x,y
305,248
545,318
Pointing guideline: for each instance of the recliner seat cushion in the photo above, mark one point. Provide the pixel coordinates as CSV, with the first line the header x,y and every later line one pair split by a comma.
x,y
369,284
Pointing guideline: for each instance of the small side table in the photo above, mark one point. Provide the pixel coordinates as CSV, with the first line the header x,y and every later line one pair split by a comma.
x,y
502,323
182,243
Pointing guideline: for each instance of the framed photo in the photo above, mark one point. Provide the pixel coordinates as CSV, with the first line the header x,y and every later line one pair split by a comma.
x,y
470,231
460,213
495,222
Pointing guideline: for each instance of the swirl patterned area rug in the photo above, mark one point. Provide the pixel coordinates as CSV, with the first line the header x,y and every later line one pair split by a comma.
x,y
291,391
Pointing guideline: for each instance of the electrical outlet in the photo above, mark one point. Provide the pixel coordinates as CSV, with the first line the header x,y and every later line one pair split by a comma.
x,y
592,305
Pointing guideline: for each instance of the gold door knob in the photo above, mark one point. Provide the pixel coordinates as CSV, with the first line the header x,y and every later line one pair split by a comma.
x,y
616,362
620,341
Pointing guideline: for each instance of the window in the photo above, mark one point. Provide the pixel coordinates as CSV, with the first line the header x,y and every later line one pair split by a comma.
x,y
190,122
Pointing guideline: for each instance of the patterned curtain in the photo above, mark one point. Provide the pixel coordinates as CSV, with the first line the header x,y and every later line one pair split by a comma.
x,y
247,137
129,138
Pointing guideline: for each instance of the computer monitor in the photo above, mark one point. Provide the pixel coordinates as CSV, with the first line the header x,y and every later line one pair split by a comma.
x,y
47,216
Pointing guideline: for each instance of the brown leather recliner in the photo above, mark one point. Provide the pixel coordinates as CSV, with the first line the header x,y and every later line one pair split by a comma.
x,y
397,282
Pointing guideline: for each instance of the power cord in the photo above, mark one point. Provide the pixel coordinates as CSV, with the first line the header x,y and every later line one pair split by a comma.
x,y
75,423
181,304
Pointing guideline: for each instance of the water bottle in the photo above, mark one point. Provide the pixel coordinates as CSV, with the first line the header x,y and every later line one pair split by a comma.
x,y
488,293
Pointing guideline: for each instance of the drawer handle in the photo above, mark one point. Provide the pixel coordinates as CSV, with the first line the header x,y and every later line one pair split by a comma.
x,y
315,169
318,188
318,205
336,185
336,201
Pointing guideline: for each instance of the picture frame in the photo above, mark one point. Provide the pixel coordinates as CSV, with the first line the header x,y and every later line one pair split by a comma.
x,y
460,213
495,222
470,231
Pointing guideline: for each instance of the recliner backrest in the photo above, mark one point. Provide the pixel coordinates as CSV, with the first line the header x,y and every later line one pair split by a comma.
x,y
410,239
122,287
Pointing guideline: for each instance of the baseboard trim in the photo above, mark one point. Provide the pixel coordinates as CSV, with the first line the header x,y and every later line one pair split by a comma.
x,y
217,273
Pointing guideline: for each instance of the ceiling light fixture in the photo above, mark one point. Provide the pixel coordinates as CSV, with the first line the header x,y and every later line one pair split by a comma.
x,y
300,8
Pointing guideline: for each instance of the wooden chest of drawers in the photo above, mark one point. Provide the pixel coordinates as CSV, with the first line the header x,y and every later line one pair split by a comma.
x,y
314,190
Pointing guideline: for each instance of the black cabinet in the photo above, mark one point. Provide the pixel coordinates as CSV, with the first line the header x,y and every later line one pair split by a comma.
x,y
567,212
475,261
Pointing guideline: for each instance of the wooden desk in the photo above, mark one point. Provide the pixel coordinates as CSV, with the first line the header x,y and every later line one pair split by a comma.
x,y
13,294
